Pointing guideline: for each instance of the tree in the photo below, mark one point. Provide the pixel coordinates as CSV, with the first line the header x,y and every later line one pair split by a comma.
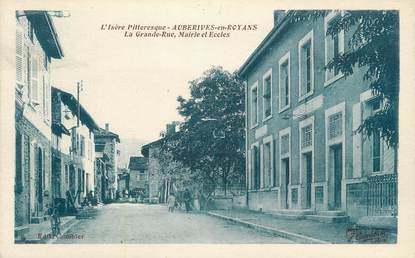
x,y
211,140
373,46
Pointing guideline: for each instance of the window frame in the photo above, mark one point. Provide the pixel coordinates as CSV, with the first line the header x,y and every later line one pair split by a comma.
x,y
267,75
309,37
284,59
266,141
327,20
254,87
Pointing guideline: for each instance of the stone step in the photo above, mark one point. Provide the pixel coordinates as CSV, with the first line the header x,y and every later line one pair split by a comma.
x,y
37,220
327,219
295,212
285,216
331,213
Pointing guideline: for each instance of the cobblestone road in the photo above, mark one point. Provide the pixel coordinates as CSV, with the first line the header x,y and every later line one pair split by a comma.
x,y
140,223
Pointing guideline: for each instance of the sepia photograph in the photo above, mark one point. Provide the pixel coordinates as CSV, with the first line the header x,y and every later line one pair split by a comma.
x,y
185,124
299,144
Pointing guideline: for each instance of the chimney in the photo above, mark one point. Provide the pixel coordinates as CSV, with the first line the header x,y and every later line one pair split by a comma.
x,y
170,129
278,16
107,127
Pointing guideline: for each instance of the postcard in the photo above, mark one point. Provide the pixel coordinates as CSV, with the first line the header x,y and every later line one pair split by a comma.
x,y
207,128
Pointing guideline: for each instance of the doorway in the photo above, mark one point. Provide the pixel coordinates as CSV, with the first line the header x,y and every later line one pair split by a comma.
x,y
285,165
337,173
39,181
308,167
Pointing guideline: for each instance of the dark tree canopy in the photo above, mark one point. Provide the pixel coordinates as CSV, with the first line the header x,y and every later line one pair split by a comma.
x,y
374,47
211,140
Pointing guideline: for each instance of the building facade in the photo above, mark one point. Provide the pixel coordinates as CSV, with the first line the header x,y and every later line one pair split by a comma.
x,y
138,167
110,141
302,150
73,152
37,43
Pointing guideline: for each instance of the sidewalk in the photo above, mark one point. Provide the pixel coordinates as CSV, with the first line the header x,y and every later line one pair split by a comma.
x,y
41,233
302,231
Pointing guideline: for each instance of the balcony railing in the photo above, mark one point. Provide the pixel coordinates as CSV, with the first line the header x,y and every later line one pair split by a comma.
x,y
382,195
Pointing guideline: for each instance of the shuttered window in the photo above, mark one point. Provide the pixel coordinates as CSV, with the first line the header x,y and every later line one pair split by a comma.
x,y
19,57
34,83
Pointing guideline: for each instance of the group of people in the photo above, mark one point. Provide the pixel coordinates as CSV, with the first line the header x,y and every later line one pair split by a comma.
x,y
172,202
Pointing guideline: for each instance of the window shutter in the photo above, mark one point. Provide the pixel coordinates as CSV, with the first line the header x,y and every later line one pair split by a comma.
x,y
19,56
35,74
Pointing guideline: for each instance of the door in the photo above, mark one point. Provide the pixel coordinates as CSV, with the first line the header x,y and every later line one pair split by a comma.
x,y
72,180
286,171
337,174
309,170
56,178
39,181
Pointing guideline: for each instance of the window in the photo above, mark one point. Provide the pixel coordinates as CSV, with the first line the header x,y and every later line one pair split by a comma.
x,y
306,65
307,136
46,98
266,94
34,80
334,46
376,147
82,146
285,144
20,58
375,106
284,82
335,125
254,105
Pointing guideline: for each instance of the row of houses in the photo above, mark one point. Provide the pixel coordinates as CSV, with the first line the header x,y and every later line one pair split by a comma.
x,y
61,152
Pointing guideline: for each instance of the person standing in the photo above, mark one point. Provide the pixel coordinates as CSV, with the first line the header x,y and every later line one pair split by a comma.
x,y
187,198
171,201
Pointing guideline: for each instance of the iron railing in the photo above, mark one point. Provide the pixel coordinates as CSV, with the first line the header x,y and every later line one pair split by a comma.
x,y
382,195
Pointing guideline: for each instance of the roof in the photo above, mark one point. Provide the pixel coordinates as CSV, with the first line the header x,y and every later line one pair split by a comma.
x,y
271,36
100,132
137,163
145,148
72,103
45,32
59,129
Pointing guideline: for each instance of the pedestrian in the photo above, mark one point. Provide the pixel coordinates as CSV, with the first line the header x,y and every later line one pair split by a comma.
x,y
171,201
187,198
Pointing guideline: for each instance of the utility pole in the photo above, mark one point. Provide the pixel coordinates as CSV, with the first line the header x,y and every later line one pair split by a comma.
x,y
78,90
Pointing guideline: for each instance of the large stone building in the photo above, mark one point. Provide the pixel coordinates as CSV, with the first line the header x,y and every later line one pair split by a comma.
x,y
302,152
73,148
159,186
104,138
138,179
37,43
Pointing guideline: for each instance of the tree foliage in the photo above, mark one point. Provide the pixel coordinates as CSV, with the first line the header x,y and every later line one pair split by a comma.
x,y
211,138
373,45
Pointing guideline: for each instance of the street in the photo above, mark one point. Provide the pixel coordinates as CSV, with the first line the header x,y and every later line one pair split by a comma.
x,y
141,223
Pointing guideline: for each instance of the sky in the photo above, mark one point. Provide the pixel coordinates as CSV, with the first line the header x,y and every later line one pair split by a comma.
x,y
133,83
